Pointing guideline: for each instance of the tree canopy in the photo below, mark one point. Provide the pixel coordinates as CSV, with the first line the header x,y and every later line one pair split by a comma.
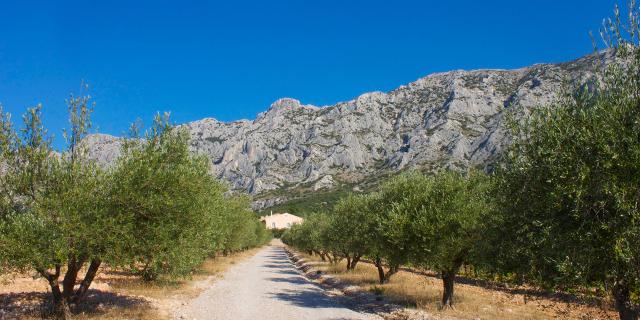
x,y
156,210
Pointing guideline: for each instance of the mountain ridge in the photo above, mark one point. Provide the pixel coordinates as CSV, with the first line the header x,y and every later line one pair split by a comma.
x,y
451,119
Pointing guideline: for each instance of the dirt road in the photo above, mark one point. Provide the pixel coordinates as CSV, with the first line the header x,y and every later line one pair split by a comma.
x,y
266,286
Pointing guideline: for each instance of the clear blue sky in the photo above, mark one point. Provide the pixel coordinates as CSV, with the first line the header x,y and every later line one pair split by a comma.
x,y
230,59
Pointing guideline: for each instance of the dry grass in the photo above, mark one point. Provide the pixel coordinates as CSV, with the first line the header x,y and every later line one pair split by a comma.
x,y
471,301
115,294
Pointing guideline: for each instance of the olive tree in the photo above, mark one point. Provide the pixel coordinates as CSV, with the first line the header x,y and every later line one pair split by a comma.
x,y
244,230
573,190
448,213
313,236
571,182
53,217
390,239
350,229
174,206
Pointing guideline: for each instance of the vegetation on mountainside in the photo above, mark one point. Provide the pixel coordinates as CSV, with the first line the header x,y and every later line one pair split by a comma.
x,y
560,211
303,201
156,210
307,202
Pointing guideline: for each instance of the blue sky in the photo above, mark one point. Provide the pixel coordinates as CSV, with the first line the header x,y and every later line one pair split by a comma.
x,y
231,59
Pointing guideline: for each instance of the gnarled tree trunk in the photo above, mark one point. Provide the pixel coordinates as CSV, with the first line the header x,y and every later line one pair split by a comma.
x,y
62,299
378,263
448,281
88,279
385,276
354,261
68,283
60,306
622,296
393,269
329,257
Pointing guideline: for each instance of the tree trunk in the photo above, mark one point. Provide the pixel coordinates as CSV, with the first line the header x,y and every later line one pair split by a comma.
x,y
393,269
68,283
61,309
622,296
354,261
88,279
329,258
148,272
448,279
323,257
149,275
378,264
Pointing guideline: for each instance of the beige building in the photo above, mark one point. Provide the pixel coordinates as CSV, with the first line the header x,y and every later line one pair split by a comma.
x,y
280,220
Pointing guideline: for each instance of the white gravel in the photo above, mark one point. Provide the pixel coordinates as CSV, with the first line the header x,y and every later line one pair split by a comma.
x,y
266,286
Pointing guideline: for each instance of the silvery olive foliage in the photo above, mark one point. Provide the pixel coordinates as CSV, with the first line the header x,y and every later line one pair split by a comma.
x,y
157,210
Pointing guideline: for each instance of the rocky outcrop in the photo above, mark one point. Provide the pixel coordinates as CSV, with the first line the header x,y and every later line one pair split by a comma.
x,y
452,119
325,182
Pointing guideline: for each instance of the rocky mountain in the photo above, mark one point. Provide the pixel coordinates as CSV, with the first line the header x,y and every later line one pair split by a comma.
x,y
453,119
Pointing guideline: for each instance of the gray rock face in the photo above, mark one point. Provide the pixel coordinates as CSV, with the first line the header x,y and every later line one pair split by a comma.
x,y
103,148
325,182
453,119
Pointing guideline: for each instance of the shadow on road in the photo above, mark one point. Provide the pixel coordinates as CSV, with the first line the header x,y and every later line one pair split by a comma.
x,y
294,280
287,272
306,298
277,265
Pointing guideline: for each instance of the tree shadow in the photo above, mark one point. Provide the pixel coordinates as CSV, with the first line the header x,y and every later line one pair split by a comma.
x,y
317,298
277,266
308,298
96,301
292,280
277,259
17,305
529,292
287,272
120,278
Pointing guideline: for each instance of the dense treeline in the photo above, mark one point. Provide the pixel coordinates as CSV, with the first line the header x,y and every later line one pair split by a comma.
x,y
434,221
560,210
156,210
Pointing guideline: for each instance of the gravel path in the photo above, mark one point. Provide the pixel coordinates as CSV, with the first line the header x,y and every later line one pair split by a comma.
x,y
266,286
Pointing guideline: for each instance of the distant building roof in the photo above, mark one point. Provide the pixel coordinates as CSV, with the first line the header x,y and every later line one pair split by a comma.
x,y
281,220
